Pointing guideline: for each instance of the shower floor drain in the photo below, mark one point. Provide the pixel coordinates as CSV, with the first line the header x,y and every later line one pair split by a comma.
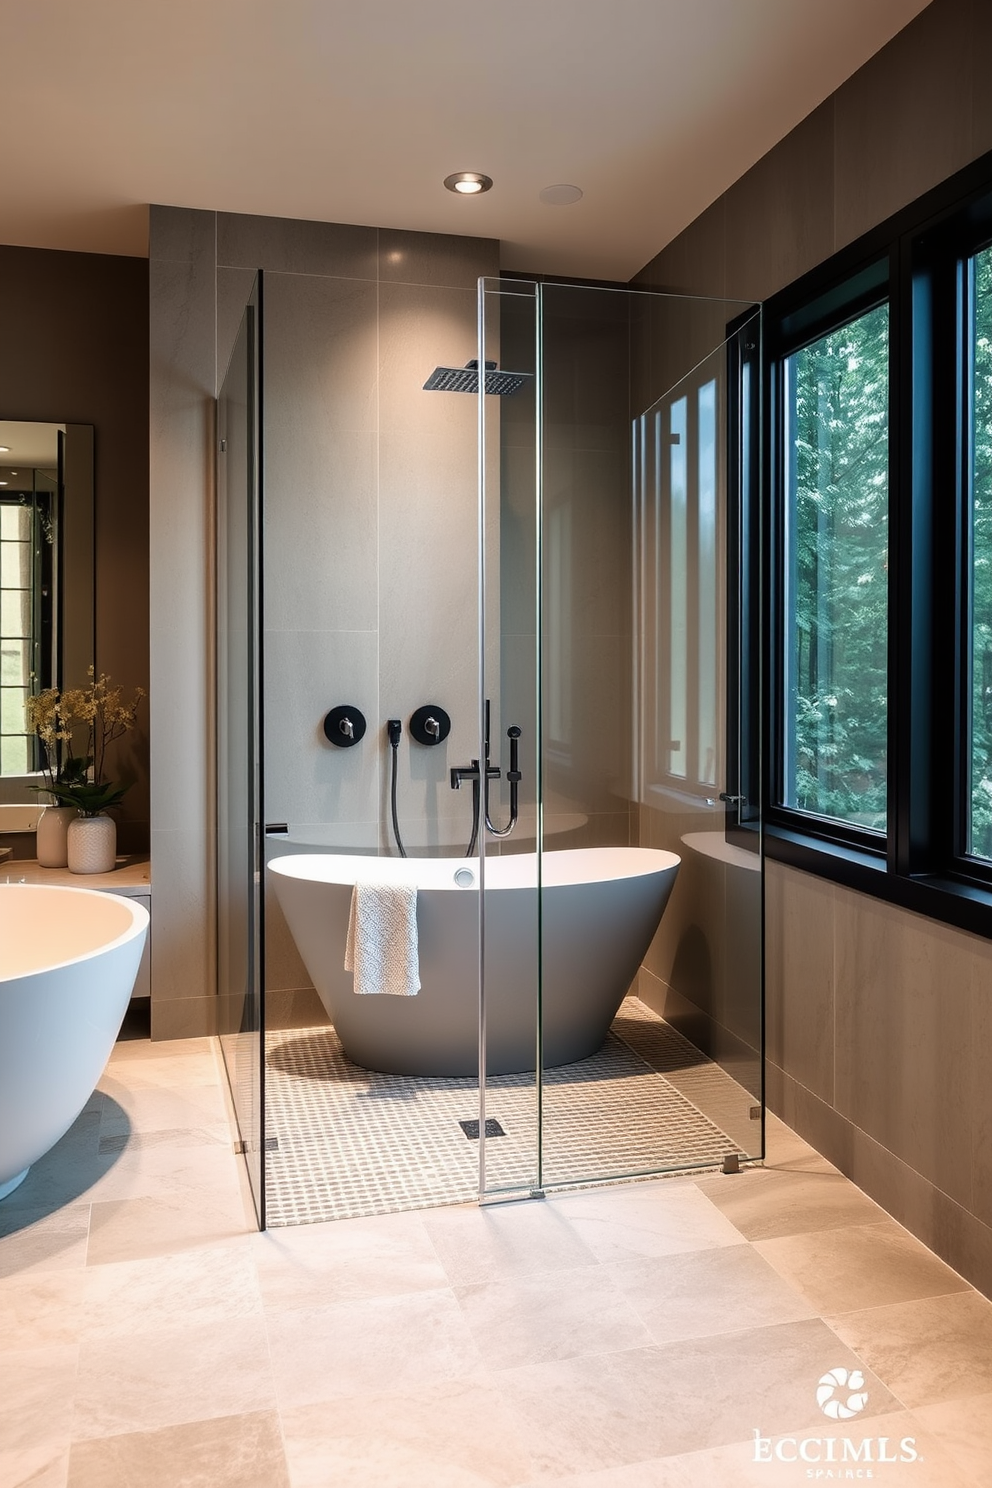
x,y
471,1129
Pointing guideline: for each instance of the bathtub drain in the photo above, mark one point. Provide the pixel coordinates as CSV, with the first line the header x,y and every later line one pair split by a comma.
x,y
471,1129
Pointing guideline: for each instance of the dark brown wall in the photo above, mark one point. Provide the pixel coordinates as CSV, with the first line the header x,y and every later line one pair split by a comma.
x,y
919,110
877,1019
74,349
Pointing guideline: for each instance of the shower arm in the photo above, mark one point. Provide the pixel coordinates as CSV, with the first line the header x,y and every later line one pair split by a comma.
x,y
512,775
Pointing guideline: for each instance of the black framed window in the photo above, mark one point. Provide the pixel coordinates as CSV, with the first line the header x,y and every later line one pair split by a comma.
x,y
877,464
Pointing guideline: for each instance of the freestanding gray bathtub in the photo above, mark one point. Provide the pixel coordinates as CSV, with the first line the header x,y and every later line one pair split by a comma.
x,y
599,910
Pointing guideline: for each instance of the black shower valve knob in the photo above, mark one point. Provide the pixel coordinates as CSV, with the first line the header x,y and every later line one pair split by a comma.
x,y
344,726
430,724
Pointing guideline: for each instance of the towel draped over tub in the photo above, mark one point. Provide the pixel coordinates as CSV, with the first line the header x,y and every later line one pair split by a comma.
x,y
382,948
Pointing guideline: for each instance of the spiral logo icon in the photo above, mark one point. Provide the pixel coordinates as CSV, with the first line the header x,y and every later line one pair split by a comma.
x,y
831,1397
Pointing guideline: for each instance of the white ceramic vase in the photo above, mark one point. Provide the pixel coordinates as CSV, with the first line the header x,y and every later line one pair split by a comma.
x,y
51,843
92,843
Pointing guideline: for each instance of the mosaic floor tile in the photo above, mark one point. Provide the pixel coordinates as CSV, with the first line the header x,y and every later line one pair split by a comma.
x,y
344,1141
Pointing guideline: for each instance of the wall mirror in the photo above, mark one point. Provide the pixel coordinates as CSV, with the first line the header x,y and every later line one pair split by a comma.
x,y
46,576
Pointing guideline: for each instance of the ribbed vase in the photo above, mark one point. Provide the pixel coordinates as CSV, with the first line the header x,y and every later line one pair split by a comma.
x,y
92,842
51,844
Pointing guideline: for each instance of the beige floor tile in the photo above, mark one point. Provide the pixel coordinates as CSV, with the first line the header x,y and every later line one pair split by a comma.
x,y
385,1344
860,1266
209,1285
765,1203
41,1309
18,1472
197,1173
482,1244
585,1414
42,1239
227,1452
706,1292
132,1229
36,1391
645,1220
142,1381
929,1351
964,1429
158,1108
557,1315
349,1259
457,1434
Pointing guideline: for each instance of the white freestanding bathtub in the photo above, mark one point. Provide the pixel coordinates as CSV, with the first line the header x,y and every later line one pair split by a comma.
x,y
68,960
599,909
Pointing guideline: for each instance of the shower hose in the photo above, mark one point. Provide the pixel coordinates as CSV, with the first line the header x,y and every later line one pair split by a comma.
x,y
394,729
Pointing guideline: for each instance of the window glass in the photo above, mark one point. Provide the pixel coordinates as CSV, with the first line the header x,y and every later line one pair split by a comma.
x,y
979,835
836,573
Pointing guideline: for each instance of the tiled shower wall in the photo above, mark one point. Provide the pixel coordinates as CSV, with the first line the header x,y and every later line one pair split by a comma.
x,y
877,1020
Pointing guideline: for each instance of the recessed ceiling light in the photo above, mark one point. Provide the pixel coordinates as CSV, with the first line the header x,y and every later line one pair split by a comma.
x,y
468,183
4,449
560,196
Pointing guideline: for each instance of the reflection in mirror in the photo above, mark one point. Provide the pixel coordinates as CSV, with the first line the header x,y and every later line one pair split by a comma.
x,y
46,572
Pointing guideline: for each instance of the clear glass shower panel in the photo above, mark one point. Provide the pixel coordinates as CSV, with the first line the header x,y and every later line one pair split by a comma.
x,y
511,720
656,1063
239,981
697,1017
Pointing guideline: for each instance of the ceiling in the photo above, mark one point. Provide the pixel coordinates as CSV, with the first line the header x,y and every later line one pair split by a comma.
x,y
355,112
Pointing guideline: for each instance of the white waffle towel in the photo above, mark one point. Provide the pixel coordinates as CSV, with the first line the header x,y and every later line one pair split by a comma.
x,y
382,939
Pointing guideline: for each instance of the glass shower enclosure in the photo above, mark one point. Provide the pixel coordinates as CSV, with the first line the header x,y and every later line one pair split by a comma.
x,y
517,578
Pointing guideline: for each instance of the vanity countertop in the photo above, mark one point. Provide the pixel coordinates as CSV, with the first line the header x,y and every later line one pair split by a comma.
x,y
132,876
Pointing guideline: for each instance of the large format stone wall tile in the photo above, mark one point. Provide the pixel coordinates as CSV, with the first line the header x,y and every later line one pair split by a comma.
x,y
905,1056
436,258
799,976
291,246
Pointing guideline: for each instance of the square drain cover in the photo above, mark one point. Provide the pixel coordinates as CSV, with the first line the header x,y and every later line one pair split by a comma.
x,y
471,1129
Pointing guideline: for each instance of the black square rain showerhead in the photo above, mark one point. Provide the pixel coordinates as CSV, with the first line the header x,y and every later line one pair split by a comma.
x,y
466,380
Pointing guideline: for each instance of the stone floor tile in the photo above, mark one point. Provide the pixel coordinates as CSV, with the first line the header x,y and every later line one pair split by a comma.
x,y
550,1315
346,1260
858,1266
663,1218
706,1292
765,1203
141,1381
926,1352
243,1451
964,1429
453,1434
481,1244
36,1390
385,1344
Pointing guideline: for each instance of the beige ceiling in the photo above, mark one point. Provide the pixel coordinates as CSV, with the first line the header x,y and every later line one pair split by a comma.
x,y
356,112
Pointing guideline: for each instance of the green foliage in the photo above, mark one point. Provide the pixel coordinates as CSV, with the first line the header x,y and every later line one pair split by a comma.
x,y
839,573
981,516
